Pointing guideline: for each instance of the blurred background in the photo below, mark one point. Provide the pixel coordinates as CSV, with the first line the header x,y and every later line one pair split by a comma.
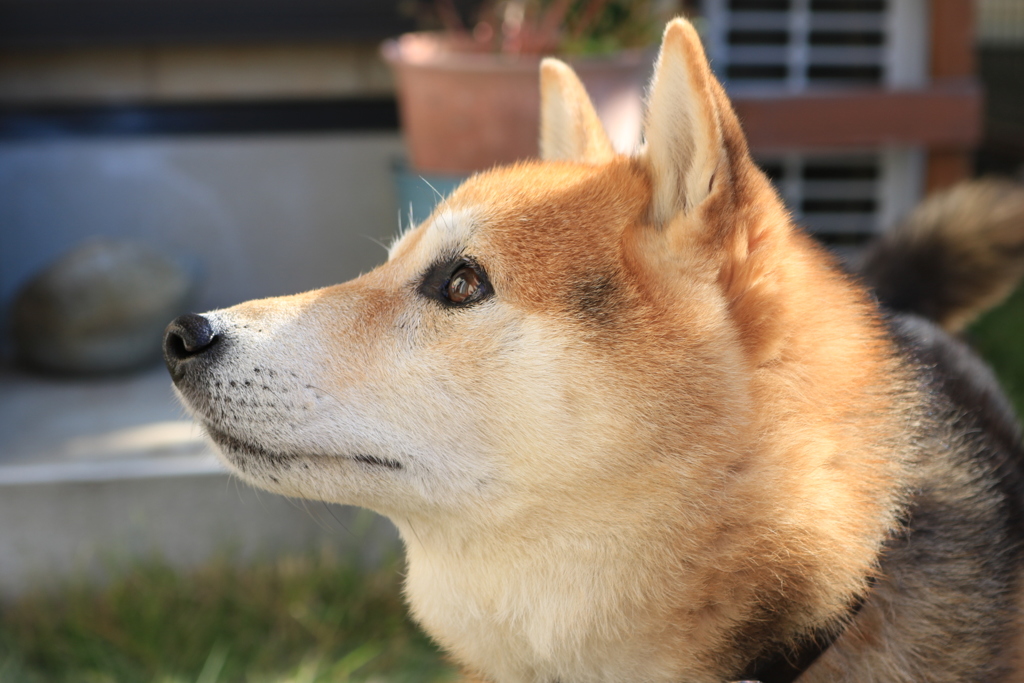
x,y
163,156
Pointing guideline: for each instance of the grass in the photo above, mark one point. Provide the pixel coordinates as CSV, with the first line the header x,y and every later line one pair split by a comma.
x,y
999,337
307,620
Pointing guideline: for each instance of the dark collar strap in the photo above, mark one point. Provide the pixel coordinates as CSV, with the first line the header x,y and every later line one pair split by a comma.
x,y
785,666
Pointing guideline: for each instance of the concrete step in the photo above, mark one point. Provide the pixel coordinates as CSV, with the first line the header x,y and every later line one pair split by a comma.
x,y
99,474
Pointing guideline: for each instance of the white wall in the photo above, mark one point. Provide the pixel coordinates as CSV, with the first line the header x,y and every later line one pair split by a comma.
x,y
267,215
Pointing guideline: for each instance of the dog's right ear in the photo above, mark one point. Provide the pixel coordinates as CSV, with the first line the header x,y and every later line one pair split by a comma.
x,y
569,127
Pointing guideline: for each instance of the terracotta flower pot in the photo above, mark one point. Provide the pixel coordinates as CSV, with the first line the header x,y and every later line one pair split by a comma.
x,y
465,110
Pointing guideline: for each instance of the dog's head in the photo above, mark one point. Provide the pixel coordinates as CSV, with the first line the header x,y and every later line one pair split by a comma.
x,y
519,329
616,363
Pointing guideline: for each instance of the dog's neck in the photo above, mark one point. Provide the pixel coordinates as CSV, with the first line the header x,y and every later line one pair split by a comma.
x,y
558,609
535,608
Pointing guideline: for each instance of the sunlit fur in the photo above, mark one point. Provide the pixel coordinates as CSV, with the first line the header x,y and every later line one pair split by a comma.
x,y
675,436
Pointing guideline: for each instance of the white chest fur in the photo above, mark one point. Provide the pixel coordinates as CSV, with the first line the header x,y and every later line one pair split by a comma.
x,y
539,616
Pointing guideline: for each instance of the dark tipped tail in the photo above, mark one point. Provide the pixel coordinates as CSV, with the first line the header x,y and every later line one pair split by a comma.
x,y
957,255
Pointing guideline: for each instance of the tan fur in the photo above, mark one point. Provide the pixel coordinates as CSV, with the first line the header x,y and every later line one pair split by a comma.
x,y
683,130
570,129
673,438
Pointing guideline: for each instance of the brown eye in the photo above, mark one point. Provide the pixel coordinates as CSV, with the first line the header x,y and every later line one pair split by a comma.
x,y
463,285
455,282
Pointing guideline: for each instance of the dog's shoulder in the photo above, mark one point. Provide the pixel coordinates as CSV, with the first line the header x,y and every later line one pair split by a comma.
x,y
960,385
968,426
961,536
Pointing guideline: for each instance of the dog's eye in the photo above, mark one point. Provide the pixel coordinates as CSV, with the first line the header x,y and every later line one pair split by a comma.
x,y
456,282
464,285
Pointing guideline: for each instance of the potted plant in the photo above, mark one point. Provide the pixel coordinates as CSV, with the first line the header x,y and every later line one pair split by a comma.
x,y
469,93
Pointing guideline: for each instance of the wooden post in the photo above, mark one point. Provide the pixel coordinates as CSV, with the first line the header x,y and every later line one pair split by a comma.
x,y
952,58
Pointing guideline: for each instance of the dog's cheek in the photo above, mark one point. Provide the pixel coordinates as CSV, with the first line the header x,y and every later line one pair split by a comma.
x,y
519,392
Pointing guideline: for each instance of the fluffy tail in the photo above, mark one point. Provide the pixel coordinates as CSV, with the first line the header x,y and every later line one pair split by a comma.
x,y
958,254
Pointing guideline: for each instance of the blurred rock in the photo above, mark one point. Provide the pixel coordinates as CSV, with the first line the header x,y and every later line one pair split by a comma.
x,y
101,308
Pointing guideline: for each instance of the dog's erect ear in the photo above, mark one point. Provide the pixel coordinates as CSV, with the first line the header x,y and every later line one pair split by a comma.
x,y
569,127
683,129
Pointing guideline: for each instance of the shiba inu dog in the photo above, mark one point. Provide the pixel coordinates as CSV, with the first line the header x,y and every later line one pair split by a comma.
x,y
635,427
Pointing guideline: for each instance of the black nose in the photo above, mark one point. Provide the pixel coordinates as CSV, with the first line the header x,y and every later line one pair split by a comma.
x,y
186,337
